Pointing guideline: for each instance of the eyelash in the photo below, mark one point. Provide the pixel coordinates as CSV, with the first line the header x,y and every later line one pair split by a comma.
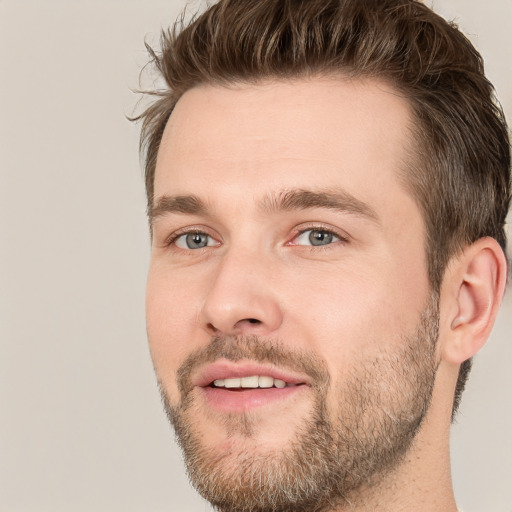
x,y
170,241
343,238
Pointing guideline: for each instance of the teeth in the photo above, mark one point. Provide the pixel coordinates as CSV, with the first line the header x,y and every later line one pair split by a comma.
x,y
249,382
265,382
254,381
232,383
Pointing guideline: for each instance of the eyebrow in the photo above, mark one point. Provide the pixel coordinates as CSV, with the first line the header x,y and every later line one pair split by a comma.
x,y
190,204
285,200
300,199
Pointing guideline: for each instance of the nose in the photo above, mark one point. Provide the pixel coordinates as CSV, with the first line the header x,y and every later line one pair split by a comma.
x,y
241,297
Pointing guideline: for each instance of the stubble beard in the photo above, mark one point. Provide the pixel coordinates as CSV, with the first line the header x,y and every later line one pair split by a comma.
x,y
331,457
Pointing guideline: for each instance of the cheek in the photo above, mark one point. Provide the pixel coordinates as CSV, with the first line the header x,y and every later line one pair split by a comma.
x,y
170,310
350,303
352,316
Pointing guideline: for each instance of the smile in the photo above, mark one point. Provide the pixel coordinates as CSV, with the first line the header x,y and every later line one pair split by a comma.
x,y
240,387
252,382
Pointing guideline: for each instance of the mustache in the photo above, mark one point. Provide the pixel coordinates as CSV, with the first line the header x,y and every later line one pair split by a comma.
x,y
256,349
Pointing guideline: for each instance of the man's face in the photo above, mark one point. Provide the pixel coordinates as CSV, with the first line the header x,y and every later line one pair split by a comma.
x,y
288,253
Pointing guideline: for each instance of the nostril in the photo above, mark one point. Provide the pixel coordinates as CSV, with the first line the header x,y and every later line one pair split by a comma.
x,y
212,328
216,331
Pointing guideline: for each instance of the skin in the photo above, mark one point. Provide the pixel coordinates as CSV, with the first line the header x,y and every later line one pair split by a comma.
x,y
352,299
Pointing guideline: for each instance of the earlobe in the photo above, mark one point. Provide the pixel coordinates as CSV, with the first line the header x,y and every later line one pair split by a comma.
x,y
477,281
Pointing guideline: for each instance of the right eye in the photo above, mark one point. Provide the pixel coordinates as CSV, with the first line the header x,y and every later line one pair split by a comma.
x,y
196,240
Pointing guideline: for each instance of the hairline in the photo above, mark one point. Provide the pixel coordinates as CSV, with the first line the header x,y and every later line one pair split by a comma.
x,y
413,148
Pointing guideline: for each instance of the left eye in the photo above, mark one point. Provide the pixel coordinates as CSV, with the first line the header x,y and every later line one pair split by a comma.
x,y
194,241
316,237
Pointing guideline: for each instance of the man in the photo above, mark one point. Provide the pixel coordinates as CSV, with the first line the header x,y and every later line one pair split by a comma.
x,y
327,183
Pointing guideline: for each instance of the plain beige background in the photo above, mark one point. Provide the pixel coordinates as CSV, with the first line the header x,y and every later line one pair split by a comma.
x,y
81,426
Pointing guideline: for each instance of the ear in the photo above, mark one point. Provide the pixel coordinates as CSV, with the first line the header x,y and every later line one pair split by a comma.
x,y
472,291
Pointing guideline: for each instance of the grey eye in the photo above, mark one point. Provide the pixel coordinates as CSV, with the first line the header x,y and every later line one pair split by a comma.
x,y
316,237
320,237
194,241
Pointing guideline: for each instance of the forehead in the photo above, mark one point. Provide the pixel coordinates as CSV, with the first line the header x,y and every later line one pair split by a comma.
x,y
274,135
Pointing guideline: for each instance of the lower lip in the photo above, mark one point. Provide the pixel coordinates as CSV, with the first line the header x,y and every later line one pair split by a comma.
x,y
225,400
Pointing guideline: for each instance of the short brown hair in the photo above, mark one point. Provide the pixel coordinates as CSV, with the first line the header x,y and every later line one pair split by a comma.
x,y
460,177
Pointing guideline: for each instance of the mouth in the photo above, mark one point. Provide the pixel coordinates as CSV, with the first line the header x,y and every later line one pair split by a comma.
x,y
231,387
251,382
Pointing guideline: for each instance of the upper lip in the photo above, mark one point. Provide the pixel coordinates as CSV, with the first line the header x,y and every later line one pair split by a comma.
x,y
224,369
